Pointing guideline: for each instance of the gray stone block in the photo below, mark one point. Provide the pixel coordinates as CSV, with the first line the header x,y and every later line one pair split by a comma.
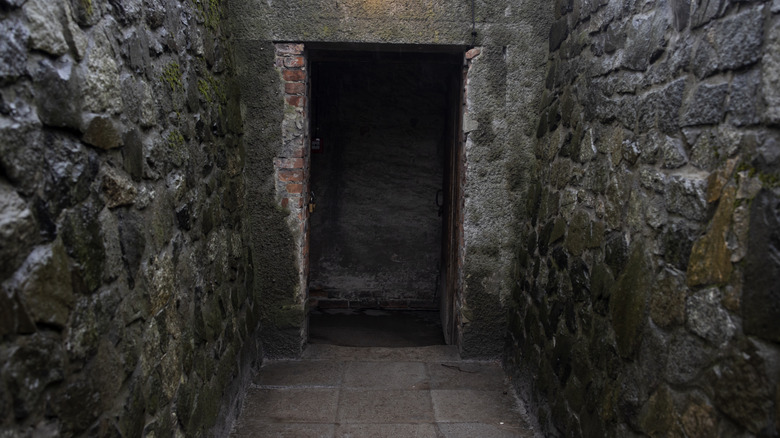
x,y
742,101
705,106
706,10
17,229
686,196
770,75
739,38
706,317
13,49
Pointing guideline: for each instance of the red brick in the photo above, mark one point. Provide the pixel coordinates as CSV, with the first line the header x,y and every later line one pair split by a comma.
x,y
318,293
294,75
295,188
289,48
285,202
296,101
295,88
294,61
289,163
473,53
295,175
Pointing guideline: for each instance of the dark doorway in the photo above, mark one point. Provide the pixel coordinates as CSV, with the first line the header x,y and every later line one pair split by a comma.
x,y
383,128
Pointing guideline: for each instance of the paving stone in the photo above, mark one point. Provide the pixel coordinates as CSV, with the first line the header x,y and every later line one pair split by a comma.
x,y
470,398
300,374
291,405
384,406
465,405
385,430
386,375
249,430
466,375
470,430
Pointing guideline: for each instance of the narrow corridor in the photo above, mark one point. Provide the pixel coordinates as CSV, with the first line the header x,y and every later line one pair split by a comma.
x,y
336,391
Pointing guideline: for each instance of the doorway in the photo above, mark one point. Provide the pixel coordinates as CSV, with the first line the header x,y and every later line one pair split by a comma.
x,y
384,185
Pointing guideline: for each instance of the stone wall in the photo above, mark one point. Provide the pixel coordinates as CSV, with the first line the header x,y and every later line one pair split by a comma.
x,y
503,100
645,298
127,303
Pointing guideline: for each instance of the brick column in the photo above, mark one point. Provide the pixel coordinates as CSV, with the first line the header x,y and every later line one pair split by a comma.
x,y
292,163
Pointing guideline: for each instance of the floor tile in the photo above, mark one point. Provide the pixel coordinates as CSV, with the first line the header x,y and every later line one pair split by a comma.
x,y
484,376
300,373
386,375
472,430
311,405
471,406
281,430
385,431
385,406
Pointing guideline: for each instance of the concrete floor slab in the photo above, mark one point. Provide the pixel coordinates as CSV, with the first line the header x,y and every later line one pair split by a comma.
x,y
385,406
301,374
473,430
386,375
381,392
386,431
274,430
462,406
309,405
467,375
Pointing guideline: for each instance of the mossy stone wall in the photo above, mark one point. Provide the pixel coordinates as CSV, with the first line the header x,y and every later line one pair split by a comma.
x,y
127,291
641,302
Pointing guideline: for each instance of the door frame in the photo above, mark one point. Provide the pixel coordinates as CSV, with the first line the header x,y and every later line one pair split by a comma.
x,y
294,57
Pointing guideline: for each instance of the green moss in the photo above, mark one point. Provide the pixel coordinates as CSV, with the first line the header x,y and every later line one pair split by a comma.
x,y
212,89
175,139
171,75
210,12
88,7
203,87
771,180
628,303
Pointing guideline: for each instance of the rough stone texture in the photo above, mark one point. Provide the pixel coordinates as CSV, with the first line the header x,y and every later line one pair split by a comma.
x,y
706,317
678,100
47,32
628,301
700,420
743,390
770,74
667,303
115,320
44,283
13,48
17,229
760,300
710,260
